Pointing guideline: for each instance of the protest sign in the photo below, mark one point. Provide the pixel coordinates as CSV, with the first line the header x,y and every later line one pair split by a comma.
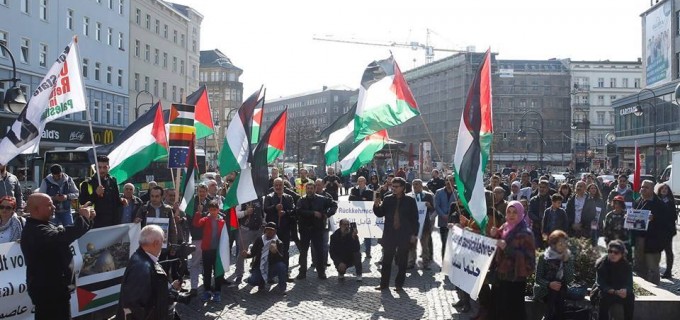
x,y
15,303
467,259
422,212
164,223
361,213
636,219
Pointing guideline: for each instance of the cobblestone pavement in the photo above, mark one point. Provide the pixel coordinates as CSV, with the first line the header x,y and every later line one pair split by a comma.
x,y
674,284
425,296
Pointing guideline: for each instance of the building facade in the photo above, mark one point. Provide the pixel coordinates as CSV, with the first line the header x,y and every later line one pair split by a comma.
x,y
595,86
225,92
163,50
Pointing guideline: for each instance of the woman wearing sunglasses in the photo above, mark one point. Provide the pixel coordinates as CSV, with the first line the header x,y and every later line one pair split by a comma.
x,y
10,225
614,279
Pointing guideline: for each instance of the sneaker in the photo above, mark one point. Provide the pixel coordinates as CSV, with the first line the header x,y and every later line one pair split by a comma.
x,y
341,276
359,279
205,297
216,297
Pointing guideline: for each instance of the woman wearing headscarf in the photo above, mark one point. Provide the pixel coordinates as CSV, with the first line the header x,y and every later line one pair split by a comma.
x,y
10,224
515,261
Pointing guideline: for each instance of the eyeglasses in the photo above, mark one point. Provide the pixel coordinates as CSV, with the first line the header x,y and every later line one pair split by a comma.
x,y
614,251
6,208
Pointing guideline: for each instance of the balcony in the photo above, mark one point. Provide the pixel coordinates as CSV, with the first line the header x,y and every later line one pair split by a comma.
x,y
580,104
578,87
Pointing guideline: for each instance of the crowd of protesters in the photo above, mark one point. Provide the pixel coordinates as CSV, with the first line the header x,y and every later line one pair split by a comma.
x,y
524,214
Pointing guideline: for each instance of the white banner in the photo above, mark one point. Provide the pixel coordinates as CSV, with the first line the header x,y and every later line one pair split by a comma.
x,y
100,258
59,93
467,259
422,212
361,213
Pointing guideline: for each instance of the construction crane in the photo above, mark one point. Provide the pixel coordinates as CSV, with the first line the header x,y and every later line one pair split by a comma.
x,y
414,45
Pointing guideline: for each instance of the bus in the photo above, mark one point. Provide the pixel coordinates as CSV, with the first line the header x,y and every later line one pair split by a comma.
x,y
76,163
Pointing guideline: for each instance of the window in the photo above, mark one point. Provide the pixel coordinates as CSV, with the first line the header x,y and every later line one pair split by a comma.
x,y
165,31
119,115
165,90
624,82
156,56
85,67
155,87
174,64
157,27
636,83
181,67
109,70
110,4
182,41
3,41
25,45
136,81
24,6
612,82
147,52
174,36
107,113
600,100
43,10
98,31
174,93
69,19
600,117
181,92
148,21
120,40
611,99
165,60
95,110
600,82
86,26
146,83
42,60
109,36
193,71
611,118
138,16
137,48
97,67
193,45
121,6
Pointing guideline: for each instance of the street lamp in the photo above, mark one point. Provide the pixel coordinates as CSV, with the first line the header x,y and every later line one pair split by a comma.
x,y
138,106
522,134
585,123
14,97
639,112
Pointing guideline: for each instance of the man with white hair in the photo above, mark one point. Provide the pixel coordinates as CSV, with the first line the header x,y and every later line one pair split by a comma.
x,y
134,203
144,293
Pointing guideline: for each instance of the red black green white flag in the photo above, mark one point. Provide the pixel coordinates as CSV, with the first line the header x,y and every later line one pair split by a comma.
x,y
385,100
475,136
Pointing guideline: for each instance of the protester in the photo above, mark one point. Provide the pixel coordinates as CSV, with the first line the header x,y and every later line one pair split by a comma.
x,y
375,183
10,186
622,189
105,197
579,217
250,219
537,206
47,254
170,199
196,261
332,183
301,182
614,279
649,244
444,198
10,224
362,193
144,293
554,272
147,195
345,250
515,261
565,191
269,259
279,208
62,189
273,175
134,203
401,231
499,203
312,212
595,207
426,238
155,208
669,212
435,182
211,227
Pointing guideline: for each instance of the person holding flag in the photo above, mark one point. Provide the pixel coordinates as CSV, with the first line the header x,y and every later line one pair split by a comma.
x,y
211,227
250,220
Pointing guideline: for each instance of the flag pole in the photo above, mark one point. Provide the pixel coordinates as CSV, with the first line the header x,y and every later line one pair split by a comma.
x,y
89,121
427,129
172,174
177,182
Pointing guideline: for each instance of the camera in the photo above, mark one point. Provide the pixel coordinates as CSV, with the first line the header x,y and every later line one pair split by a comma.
x,y
181,297
353,226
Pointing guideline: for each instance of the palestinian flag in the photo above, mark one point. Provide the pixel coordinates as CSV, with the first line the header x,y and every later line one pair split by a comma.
x,y
188,185
203,121
241,191
385,99
257,121
182,134
270,147
99,294
141,143
474,141
235,154
637,180
339,135
363,153
222,259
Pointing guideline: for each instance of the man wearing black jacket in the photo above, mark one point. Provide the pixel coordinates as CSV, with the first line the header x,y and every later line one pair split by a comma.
x,y
280,209
270,259
312,211
345,250
47,253
399,233
105,197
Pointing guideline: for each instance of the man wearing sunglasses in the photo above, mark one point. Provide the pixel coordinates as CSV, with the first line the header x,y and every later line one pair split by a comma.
x,y
614,279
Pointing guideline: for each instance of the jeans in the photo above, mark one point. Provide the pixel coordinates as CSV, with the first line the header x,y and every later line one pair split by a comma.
x,y
315,237
639,257
209,267
669,257
425,245
63,218
248,236
368,242
195,264
389,253
278,269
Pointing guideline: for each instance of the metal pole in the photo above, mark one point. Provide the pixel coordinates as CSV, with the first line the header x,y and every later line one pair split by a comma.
x,y
654,148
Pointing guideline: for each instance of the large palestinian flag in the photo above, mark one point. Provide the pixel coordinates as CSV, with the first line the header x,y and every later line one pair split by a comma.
x,y
203,121
257,120
339,135
235,154
385,99
141,143
475,135
363,152
271,146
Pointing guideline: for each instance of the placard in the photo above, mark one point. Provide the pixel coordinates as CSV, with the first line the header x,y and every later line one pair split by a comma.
x,y
637,219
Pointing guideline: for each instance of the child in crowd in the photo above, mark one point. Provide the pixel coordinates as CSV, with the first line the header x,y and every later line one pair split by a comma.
x,y
554,218
212,228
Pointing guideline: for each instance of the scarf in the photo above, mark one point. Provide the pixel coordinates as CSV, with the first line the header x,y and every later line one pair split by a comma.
x,y
507,227
552,254
264,256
